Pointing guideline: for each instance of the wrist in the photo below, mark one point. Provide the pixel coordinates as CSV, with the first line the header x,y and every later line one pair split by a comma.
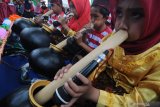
x,y
81,44
64,25
93,94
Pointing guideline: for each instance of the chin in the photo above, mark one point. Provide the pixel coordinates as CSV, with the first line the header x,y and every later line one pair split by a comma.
x,y
131,40
95,27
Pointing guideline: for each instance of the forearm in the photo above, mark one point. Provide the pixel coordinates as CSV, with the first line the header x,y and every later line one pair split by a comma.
x,y
65,28
86,47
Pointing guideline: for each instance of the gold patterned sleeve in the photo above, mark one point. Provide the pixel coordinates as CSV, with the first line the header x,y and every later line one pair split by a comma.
x,y
71,33
147,90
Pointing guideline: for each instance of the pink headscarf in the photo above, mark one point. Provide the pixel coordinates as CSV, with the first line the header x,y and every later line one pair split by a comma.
x,y
151,35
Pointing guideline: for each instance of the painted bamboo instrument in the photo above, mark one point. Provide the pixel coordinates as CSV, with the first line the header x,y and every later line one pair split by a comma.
x,y
42,92
51,60
47,92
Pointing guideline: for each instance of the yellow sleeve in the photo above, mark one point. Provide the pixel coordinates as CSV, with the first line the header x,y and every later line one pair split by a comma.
x,y
102,66
71,33
145,92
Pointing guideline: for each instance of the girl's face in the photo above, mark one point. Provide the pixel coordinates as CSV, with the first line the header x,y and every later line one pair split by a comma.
x,y
97,18
130,17
56,8
73,9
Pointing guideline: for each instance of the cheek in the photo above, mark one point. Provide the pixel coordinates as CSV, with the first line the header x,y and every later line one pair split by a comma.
x,y
98,23
135,31
53,8
117,24
75,14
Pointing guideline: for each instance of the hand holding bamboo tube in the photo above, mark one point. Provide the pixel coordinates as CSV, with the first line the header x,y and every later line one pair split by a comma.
x,y
46,93
39,18
59,46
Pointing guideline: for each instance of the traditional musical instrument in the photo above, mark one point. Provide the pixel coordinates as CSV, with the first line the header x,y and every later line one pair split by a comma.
x,y
67,52
41,92
22,23
40,37
46,61
34,37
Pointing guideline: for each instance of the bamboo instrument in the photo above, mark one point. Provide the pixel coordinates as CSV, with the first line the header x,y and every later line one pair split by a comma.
x,y
59,46
47,92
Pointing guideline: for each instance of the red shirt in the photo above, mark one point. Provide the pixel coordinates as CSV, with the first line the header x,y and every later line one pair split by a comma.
x,y
95,38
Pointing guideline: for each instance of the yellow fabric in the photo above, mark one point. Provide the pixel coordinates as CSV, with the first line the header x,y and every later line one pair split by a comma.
x,y
139,75
97,71
71,33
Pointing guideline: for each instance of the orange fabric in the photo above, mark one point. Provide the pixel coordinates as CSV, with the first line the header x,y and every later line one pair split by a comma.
x,y
14,17
83,10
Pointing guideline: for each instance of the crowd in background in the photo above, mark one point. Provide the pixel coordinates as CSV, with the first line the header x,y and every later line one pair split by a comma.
x,y
26,8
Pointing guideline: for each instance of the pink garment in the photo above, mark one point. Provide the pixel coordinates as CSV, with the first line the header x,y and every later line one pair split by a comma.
x,y
3,33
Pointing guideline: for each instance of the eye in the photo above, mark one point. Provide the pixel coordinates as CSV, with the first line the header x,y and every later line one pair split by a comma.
x,y
137,15
94,16
119,13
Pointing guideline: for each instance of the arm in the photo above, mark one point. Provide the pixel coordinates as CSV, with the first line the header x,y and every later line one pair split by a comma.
x,y
65,29
86,47
80,38
145,92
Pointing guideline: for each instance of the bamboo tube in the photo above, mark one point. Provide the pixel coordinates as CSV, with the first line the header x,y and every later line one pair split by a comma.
x,y
64,42
113,41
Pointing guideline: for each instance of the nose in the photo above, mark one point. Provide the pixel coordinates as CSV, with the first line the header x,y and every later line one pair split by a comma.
x,y
123,24
92,20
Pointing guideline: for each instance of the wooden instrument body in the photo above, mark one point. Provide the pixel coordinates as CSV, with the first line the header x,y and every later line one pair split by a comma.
x,y
46,94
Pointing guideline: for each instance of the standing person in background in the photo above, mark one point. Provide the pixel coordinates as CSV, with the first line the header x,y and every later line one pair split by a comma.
x,y
57,8
20,7
43,8
58,11
81,11
28,9
132,75
99,16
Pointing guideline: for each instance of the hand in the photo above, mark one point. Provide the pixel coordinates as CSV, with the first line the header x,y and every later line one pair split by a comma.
x,y
62,20
86,90
61,72
78,38
38,20
89,26
69,16
77,91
